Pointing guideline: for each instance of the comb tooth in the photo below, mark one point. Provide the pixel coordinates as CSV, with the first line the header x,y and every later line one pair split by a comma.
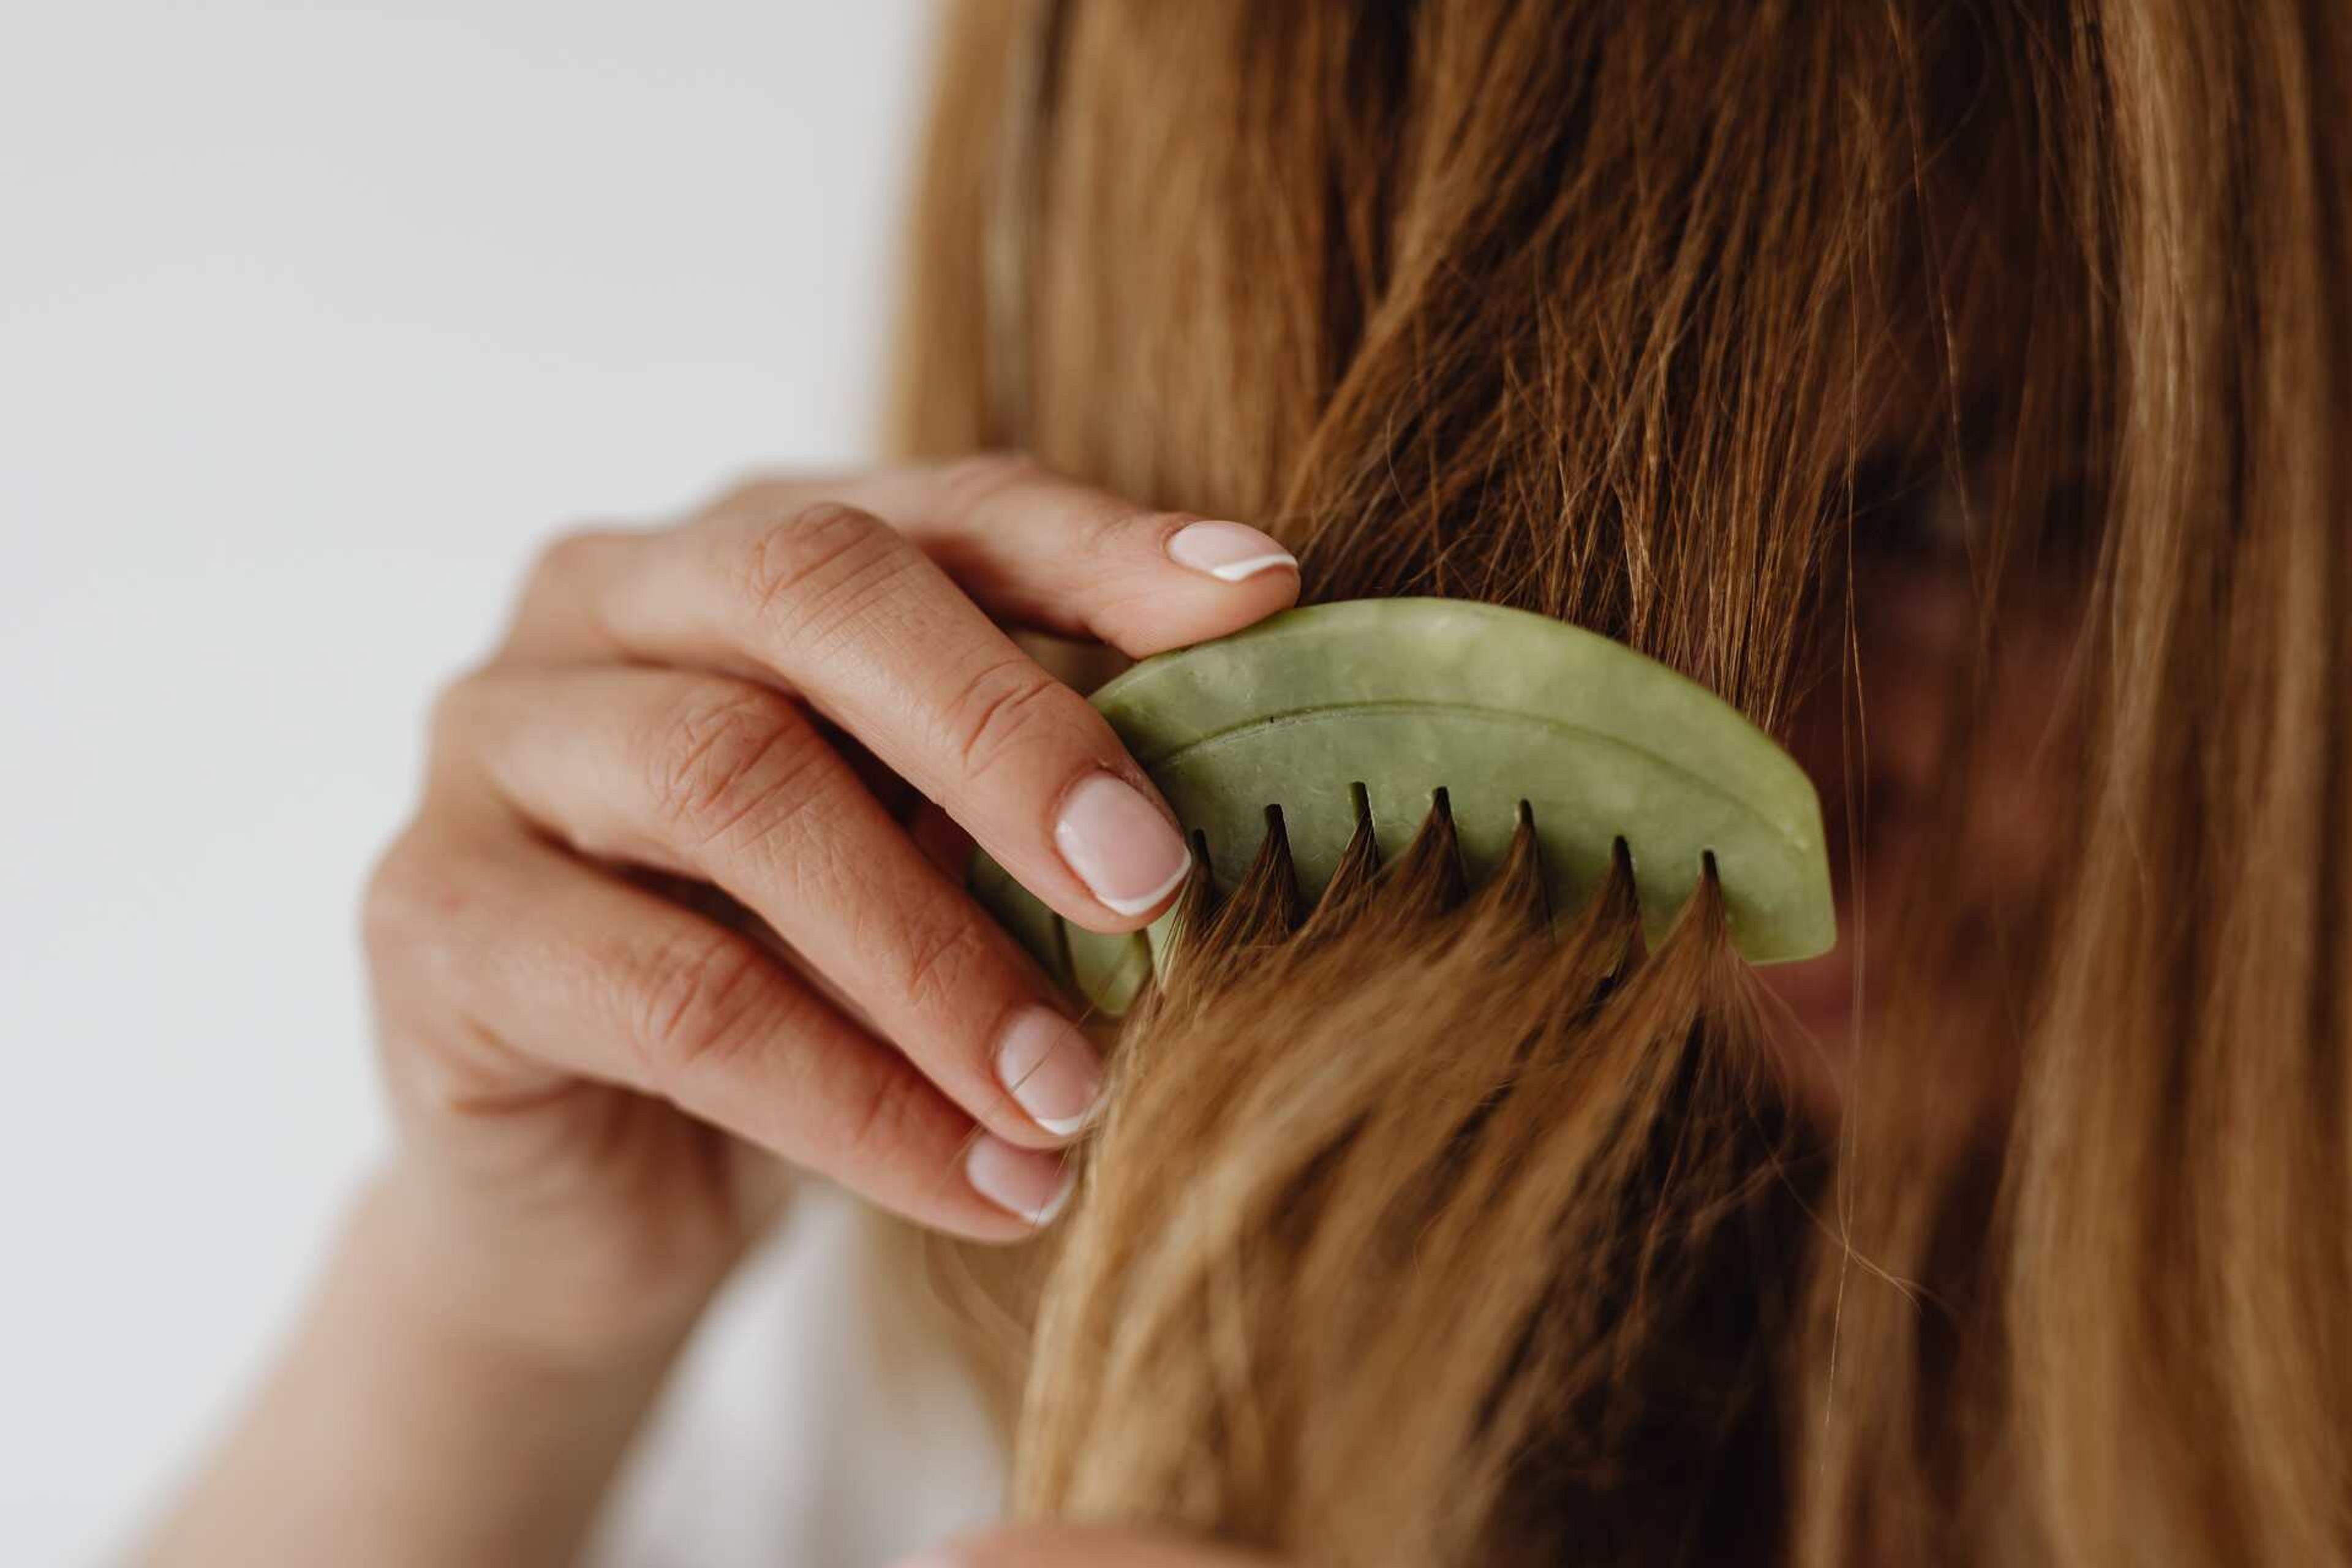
x,y
1195,908
1427,878
1706,899
1351,880
1274,856
1517,887
1453,878
1603,946
1619,904
1202,877
1266,907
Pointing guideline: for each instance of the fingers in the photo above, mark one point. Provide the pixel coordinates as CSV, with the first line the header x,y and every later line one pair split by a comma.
x,y
718,778
564,966
1079,1546
1035,549
1030,547
834,604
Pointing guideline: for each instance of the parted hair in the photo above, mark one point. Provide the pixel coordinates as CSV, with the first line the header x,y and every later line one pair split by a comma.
x,y
1426,1226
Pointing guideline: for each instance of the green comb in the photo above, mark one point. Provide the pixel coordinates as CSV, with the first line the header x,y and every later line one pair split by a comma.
x,y
1373,705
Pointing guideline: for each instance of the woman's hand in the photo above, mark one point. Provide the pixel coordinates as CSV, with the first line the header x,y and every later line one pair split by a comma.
x,y
657,932
597,1058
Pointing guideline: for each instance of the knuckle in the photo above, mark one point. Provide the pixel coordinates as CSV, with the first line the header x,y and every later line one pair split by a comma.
x,y
1100,522
410,904
695,1002
558,589
940,956
748,495
997,1548
1003,708
725,752
1117,526
975,480
802,560
885,1121
967,483
563,563
568,550
454,703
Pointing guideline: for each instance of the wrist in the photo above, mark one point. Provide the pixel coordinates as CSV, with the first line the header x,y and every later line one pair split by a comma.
x,y
412,1418
554,1295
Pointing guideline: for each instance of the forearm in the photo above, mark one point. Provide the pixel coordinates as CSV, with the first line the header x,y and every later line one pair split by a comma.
x,y
396,1429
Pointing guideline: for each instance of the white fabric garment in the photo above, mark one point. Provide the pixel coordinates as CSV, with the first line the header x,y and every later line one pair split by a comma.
x,y
818,1419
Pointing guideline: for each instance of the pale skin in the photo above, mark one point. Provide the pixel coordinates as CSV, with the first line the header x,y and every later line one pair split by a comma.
x,y
677,916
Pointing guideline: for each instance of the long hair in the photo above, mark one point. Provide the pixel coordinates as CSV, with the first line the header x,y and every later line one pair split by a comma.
x,y
1428,1226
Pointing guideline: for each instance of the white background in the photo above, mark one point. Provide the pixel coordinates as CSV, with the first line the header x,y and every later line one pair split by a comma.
x,y
313,319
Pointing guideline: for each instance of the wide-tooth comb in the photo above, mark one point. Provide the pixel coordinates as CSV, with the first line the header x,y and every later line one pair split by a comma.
x,y
1373,705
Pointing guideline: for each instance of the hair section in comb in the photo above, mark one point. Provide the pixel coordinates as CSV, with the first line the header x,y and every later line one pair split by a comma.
x,y
1368,707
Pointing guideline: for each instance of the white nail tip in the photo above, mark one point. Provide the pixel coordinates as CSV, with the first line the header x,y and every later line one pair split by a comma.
x,y
1136,905
1044,1216
1234,571
1065,1126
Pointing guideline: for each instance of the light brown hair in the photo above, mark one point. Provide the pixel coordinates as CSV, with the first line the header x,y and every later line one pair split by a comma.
x,y
1428,1231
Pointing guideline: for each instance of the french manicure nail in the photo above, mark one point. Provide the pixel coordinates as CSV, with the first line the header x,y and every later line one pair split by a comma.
x,y
1024,1181
1228,552
1050,1069
1119,845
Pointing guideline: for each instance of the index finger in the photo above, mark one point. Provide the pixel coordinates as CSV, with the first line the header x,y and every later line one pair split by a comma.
x,y
1029,546
831,602
1035,549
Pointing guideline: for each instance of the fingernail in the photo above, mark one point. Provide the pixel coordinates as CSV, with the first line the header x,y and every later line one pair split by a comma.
x,y
1119,844
1227,551
1026,1182
1050,1069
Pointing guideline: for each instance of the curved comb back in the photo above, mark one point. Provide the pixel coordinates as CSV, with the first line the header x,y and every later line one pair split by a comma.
x,y
1373,705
